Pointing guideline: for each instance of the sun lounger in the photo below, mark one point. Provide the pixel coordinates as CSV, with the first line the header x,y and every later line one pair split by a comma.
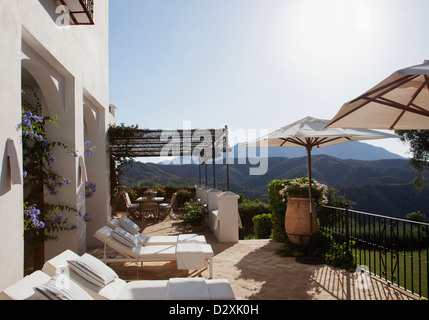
x,y
60,271
134,252
24,289
134,229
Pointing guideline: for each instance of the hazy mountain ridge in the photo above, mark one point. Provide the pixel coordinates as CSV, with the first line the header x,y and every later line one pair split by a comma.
x,y
380,186
352,150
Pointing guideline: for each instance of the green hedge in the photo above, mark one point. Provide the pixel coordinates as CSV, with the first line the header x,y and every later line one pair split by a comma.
x,y
262,226
247,210
278,210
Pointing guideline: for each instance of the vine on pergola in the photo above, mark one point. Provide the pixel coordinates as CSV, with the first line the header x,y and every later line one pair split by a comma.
x,y
129,142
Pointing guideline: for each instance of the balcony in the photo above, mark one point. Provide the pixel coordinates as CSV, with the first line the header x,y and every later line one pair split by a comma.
x,y
81,11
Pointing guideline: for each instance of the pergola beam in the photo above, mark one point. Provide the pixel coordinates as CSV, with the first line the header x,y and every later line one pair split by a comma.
x,y
176,143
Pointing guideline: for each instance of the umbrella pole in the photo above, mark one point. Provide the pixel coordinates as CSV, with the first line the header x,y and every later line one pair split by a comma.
x,y
309,147
309,189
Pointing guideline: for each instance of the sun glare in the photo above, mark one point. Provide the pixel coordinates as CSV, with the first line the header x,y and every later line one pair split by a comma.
x,y
325,36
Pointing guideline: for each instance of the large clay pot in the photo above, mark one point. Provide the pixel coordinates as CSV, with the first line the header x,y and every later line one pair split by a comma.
x,y
297,220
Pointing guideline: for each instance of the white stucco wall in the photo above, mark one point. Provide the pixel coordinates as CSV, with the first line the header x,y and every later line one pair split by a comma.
x,y
76,59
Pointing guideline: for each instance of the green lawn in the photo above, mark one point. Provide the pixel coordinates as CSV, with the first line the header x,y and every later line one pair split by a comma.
x,y
408,276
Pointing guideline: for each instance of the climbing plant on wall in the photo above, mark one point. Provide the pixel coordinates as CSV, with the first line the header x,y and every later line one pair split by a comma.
x,y
119,159
42,219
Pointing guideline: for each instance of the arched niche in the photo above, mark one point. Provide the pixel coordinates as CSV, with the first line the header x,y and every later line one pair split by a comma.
x,y
35,74
90,120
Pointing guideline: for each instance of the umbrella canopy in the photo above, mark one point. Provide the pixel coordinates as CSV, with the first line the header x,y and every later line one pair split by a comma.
x,y
309,133
400,102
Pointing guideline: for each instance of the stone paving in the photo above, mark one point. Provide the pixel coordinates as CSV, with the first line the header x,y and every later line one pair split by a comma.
x,y
256,272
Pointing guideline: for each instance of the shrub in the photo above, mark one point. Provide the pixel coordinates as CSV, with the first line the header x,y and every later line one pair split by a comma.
x,y
194,213
183,196
289,250
339,257
325,247
416,216
247,210
262,226
171,189
278,210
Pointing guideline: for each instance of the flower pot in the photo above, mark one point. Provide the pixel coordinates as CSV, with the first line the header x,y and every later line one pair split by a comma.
x,y
297,221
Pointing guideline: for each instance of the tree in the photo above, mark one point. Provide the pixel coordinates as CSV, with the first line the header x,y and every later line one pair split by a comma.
x,y
416,216
419,148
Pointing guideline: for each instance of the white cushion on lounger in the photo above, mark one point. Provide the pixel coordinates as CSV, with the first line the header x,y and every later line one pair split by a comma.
x,y
170,240
191,237
220,289
187,289
109,292
113,223
59,263
158,240
144,290
24,289
142,239
61,287
93,270
51,266
124,237
164,252
159,252
129,225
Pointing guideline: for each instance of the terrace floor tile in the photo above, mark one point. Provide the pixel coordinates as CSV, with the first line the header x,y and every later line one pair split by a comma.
x,y
256,272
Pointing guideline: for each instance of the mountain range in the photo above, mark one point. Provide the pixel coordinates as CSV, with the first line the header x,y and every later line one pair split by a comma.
x,y
353,150
378,181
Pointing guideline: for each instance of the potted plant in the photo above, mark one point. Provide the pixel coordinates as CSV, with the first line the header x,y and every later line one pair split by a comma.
x,y
300,223
150,193
159,192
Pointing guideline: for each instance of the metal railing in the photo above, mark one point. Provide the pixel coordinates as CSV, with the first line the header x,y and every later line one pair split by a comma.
x,y
393,249
81,11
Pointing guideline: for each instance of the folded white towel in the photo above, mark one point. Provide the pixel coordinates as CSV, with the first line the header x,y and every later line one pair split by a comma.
x,y
191,237
190,256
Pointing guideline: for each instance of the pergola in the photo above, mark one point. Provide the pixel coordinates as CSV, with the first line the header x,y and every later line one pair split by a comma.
x,y
197,144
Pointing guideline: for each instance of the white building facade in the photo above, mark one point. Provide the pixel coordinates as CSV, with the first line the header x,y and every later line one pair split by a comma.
x,y
67,65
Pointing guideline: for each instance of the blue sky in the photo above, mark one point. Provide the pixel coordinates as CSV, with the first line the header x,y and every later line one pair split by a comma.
x,y
256,64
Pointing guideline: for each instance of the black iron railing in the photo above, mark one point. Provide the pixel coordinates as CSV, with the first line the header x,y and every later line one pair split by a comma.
x,y
81,11
395,250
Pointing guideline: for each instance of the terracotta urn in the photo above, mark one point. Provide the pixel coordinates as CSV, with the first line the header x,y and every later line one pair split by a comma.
x,y
297,221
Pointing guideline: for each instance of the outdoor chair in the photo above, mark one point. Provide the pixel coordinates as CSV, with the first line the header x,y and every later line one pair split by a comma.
x,y
131,227
63,277
167,208
133,209
189,255
149,209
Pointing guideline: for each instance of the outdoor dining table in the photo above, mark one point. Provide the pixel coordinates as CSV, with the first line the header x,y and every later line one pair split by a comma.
x,y
157,200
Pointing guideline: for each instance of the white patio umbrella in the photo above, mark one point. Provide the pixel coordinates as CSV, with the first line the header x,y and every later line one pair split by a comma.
x,y
309,133
400,102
